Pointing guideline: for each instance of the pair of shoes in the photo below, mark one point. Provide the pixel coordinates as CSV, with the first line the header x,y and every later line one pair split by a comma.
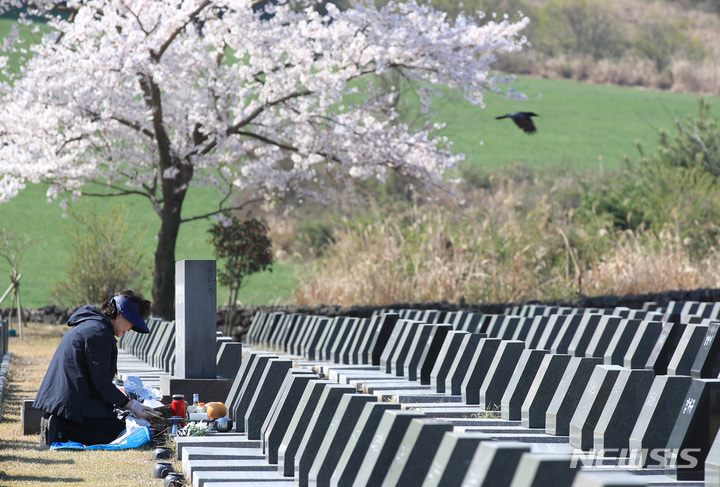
x,y
52,429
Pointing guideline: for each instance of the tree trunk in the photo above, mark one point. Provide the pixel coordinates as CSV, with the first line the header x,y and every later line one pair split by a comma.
x,y
173,189
163,293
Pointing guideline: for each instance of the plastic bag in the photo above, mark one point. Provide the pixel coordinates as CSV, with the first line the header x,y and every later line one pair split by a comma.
x,y
135,389
132,439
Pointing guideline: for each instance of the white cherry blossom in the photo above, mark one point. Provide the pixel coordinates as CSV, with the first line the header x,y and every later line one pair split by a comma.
x,y
149,97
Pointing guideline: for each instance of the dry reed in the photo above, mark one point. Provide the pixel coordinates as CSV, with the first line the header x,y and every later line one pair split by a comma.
x,y
514,246
651,265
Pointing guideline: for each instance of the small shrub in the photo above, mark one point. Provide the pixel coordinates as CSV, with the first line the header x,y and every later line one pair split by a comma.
x,y
103,256
675,187
661,39
580,27
244,248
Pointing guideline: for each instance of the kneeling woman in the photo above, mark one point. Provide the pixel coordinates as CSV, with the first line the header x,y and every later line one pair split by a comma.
x,y
77,392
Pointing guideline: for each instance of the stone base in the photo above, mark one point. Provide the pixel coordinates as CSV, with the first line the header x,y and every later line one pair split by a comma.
x,y
210,390
30,418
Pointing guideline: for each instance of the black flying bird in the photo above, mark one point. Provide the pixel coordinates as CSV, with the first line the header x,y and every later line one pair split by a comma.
x,y
522,120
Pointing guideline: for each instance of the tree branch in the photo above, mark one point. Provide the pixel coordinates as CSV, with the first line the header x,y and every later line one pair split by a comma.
x,y
157,55
220,210
135,126
255,113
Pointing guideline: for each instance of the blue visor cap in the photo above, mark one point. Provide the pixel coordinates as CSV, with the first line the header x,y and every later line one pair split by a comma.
x,y
131,312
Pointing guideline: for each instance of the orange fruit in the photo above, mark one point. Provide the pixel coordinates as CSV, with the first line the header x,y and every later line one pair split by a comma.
x,y
216,410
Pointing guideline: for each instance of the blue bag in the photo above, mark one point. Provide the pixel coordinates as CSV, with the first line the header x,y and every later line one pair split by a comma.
x,y
134,440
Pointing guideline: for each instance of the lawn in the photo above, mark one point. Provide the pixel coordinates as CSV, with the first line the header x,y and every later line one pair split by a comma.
x,y
46,258
580,125
25,463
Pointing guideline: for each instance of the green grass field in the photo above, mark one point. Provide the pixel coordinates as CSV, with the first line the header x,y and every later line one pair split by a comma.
x,y
578,125
46,259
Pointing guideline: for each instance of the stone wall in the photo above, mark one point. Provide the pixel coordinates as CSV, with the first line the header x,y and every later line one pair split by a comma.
x,y
59,315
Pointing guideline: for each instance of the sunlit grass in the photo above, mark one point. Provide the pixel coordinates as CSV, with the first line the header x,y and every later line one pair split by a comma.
x,y
23,462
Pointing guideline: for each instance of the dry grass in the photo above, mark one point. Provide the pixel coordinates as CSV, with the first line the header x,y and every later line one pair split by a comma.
x,y
651,266
23,462
515,244
699,76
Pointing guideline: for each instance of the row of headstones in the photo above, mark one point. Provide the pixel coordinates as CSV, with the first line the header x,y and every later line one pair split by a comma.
x,y
632,338
4,337
4,360
323,433
157,348
672,345
620,408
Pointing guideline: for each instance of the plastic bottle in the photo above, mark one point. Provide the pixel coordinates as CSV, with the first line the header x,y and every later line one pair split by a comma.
x,y
193,408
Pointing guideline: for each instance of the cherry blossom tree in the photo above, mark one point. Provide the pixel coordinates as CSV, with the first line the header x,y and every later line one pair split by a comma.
x,y
149,97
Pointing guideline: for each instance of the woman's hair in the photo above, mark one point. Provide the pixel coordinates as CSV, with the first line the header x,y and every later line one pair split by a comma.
x,y
109,308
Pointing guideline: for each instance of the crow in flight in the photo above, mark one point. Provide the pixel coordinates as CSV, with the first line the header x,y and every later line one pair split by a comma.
x,y
522,120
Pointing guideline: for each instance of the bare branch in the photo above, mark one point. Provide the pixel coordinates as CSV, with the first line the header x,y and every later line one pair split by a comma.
x,y
220,210
134,125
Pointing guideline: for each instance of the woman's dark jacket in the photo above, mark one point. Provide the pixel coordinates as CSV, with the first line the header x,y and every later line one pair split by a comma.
x,y
78,382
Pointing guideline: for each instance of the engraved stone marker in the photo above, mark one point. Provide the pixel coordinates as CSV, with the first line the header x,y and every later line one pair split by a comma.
x,y
195,319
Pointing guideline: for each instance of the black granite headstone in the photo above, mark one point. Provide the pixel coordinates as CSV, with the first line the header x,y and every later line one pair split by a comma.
x,y
338,434
568,394
407,363
712,464
537,327
494,463
664,348
695,429
242,378
545,469
447,356
416,451
604,333
299,423
642,345
452,460
656,419
591,405
620,341
317,428
550,333
430,352
278,421
566,334
621,411
684,356
399,335
499,374
384,446
379,339
541,392
584,333
520,381
478,369
360,440
707,362
458,370
268,388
